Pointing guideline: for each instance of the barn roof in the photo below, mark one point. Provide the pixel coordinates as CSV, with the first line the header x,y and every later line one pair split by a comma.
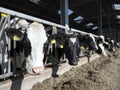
x,y
83,14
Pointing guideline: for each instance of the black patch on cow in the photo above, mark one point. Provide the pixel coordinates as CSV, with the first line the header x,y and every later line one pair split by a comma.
x,y
22,45
13,31
26,45
87,42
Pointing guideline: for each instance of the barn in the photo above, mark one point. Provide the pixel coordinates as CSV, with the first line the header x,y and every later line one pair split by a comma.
x,y
40,39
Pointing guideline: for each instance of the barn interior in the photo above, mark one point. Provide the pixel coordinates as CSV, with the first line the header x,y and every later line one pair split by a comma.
x,y
95,16
100,17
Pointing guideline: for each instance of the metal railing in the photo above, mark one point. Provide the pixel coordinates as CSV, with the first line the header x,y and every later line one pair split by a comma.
x,y
28,17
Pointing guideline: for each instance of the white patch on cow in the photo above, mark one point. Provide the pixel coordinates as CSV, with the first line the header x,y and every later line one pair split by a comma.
x,y
22,23
103,39
73,40
94,41
112,41
106,43
37,36
103,49
6,58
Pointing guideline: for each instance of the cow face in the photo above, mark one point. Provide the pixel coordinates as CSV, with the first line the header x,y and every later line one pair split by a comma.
x,y
72,49
101,48
14,34
91,42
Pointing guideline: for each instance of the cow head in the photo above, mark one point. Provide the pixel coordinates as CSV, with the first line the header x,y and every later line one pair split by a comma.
x,y
14,34
91,41
17,31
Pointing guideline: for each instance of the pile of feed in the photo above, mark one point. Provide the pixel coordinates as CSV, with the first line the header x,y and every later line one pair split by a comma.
x,y
101,74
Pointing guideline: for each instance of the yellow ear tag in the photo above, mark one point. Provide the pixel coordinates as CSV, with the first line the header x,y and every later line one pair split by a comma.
x,y
61,46
16,38
34,22
53,41
82,47
54,28
4,15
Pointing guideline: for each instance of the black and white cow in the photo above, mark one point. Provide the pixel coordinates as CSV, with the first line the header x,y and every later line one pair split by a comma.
x,y
87,42
72,48
113,46
54,49
110,45
100,42
64,44
30,42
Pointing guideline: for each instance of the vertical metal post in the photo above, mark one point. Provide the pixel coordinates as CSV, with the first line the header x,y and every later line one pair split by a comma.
x,y
118,36
64,19
99,17
109,26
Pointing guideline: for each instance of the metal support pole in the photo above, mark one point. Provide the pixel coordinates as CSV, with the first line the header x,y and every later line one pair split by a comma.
x,y
99,18
64,13
3,27
1,20
109,26
6,40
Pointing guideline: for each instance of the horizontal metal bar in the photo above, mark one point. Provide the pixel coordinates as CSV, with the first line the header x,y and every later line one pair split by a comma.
x,y
28,17
75,30
4,76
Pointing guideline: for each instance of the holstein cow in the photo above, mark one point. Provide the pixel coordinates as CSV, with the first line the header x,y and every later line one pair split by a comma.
x,y
62,44
67,44
71,49
100,41
110,45
30,41
54,49
87,42
113,45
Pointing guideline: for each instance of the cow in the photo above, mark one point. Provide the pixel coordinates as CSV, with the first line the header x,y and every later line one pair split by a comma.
x,y
111,45
54,48
64,45
87,43
71,49
30,40
100,41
